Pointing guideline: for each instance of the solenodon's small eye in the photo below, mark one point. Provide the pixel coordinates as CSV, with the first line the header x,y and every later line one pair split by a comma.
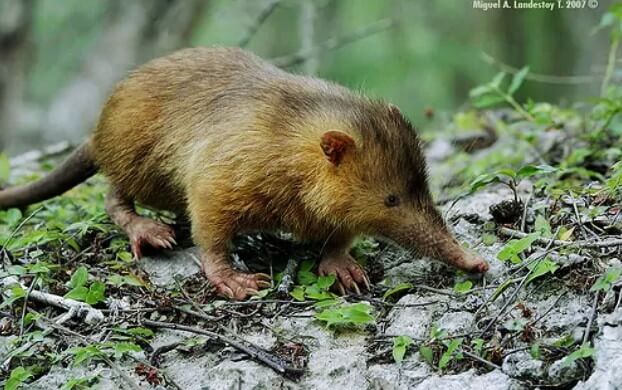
x,y
392,201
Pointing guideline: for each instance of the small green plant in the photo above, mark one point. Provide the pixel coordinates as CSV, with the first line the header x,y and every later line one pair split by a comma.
x,y
515,247
100,351
540,268
17,378
315,288
607,280
80,383
463,287
400,345
584,352
93,294
510,177
346,315
398,288
452,352
493,93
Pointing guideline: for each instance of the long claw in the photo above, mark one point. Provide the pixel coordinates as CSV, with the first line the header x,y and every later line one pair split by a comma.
x,y
252,291
340,288
263,284
224,289
355,287
366,282
263,276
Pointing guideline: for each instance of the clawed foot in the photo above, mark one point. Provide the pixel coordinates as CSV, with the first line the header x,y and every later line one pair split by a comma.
x,y
236,285
350,275
148,232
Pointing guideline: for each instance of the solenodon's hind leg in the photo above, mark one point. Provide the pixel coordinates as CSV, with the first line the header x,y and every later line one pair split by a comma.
x,y
140,230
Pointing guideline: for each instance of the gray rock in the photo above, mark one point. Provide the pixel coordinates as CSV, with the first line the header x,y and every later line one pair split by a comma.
x,y
560,372
205,373
337,368
469,380
456,322
58,376
522,365
607,374
164,267
411,321
405,375
479,203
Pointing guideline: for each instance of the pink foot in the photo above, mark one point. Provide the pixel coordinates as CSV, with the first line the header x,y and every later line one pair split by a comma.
x,y
237,285
348,272
147,232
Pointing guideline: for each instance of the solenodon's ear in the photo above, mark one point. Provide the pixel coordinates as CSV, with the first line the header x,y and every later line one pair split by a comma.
x,y
335,145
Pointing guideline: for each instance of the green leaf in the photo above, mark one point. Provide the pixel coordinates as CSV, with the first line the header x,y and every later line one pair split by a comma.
x,y
96,293
78,293
123,348
5,168
306,278
355,314
427,354
530,170
585,351
298,293
483,180
325,282
18,376
85,354
517,80
463,287
542,268
313,292
478,346
449,354
534,351
498,79
125,256
487,100
607,280
513,248
398,288
79,277
400,344
488,239
142,332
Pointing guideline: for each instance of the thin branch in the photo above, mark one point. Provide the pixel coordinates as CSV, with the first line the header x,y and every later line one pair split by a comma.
x,y
586,334
537,77
260,355
79,310
334,43
264,13
586,244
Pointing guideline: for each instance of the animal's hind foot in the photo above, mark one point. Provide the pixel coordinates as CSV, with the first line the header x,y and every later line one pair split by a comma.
x,y
237,285
145,232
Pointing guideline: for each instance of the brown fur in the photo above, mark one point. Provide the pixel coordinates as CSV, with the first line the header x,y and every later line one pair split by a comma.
x,y
237,144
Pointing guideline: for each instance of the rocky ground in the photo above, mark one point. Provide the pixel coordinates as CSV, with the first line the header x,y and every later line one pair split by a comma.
x,y
537,321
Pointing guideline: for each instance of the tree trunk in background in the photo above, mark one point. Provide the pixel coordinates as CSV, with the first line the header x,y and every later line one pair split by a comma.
x,y
135,32
15,23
